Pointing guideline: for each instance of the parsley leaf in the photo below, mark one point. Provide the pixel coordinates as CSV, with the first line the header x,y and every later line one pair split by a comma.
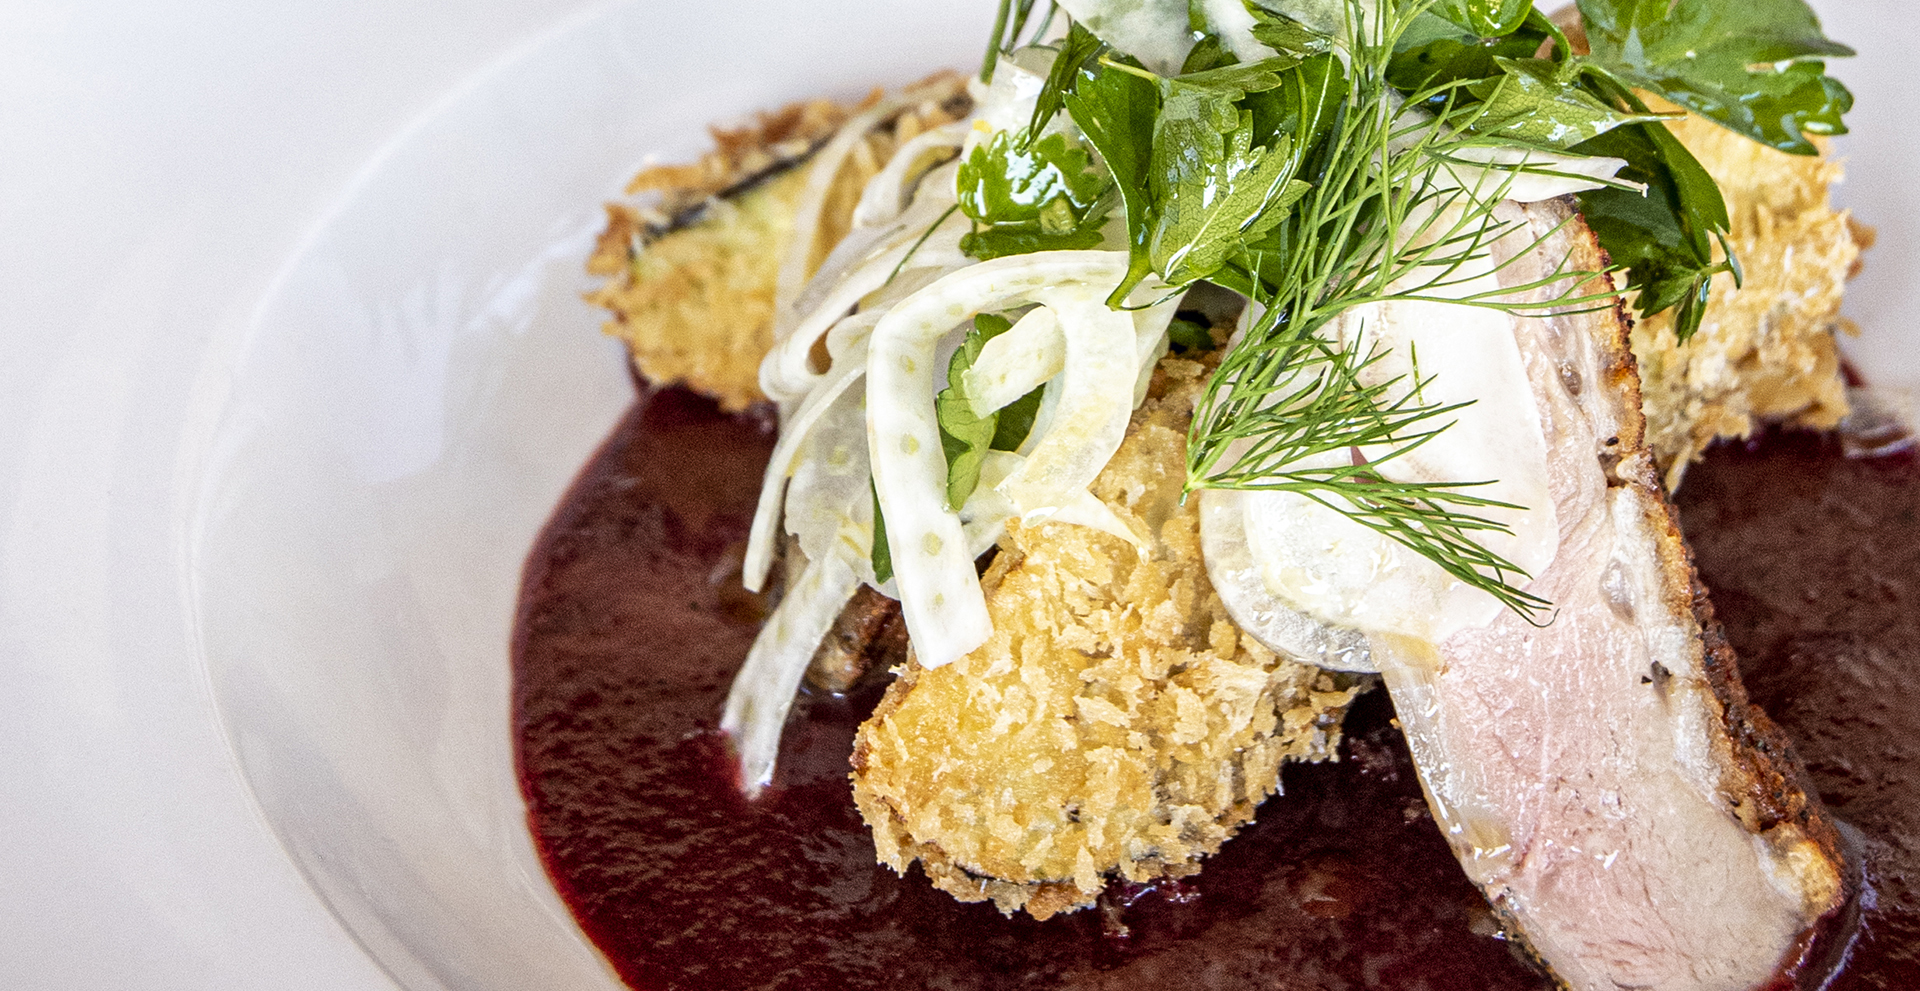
x,y
1285,35
1306,108
1116,110
1207,53
1189,335
1435,52
1076,50
1215,190
1666,236
1231,82
1016,421
989,243
1750,65
1000,184
965,436
1486,18
1533,105
1046,197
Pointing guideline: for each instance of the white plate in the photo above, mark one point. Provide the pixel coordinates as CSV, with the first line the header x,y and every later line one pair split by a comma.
x,y
415,393
323,512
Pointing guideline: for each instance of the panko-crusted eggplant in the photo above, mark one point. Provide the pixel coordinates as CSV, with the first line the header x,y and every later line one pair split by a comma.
x,y
1117,724
1766,351
694,264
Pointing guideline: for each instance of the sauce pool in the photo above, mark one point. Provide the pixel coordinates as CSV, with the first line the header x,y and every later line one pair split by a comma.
x,y
632,622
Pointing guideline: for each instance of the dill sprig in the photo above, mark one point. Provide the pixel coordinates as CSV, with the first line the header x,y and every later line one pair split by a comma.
x,y
1379,223
1326,408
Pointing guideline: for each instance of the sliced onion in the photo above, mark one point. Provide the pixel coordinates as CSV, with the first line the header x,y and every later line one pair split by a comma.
x,y
1232,23
829,508
830,495
986,513
787,374
848,368
984,518
821,175
1095,401
1083,508
1150,341
934,196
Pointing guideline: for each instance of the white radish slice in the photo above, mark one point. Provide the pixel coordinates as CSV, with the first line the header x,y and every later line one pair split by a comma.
x,y
1243,590
1315,559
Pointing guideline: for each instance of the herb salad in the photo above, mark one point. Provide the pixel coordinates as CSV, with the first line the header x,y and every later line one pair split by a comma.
x,y
1011,280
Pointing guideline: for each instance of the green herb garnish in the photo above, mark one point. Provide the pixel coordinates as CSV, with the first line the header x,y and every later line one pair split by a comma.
x,y
1750,65
1214,188
1026,196
1116,110
880,554
1305,181
967,436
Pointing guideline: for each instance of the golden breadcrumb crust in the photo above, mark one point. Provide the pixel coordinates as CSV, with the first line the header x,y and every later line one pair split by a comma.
x,y
1765,351
695,308
1117,722
692,267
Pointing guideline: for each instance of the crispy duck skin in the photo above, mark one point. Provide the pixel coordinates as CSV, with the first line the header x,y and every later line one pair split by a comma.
x,y
1603,777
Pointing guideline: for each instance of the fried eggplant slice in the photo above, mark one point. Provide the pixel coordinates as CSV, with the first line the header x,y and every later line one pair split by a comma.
x,y
1116,725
